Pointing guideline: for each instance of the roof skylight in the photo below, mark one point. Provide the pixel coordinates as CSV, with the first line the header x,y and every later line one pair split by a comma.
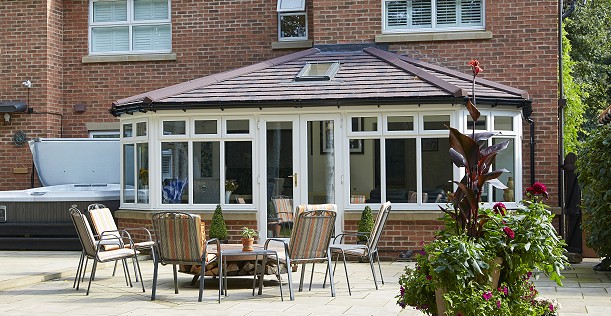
x,y
318,71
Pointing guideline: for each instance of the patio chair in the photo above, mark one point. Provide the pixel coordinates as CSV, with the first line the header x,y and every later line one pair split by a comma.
x,y
368,250
179,241
284,213
102,220
309,242
93,249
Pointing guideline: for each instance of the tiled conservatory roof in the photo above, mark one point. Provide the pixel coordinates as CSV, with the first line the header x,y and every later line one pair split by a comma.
x,y
367,76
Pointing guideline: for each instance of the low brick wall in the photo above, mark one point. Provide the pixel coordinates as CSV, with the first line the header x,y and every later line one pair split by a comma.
x,y
404,230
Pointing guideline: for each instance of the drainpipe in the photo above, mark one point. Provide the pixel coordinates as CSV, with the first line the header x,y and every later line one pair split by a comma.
x,y
526,113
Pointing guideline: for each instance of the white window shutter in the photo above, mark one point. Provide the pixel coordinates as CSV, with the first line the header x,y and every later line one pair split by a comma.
x,y
446,12
110,39
114,11
291,5
145,10
396,14
421,13
151,37
471,12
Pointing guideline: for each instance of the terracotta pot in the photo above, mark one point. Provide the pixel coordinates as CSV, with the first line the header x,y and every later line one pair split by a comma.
x,y
247,244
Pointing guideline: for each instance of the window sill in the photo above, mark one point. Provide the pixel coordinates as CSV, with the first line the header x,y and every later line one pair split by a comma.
x,y
127,58
433,36
292,44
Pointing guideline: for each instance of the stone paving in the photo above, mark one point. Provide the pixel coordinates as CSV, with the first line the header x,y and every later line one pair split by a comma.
x,y
33,283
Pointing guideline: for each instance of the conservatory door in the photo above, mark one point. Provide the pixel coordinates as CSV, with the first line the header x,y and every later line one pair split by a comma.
x,y
298,164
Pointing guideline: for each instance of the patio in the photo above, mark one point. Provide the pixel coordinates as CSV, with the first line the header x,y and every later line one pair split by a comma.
x,y
23,292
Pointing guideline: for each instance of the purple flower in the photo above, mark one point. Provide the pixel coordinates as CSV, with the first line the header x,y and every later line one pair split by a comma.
x,y
504,290
428,277
551,307
402,290
498,304
509,232
499,208
487,295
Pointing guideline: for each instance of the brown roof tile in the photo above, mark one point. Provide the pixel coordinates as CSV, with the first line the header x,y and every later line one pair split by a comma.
x,y
370,75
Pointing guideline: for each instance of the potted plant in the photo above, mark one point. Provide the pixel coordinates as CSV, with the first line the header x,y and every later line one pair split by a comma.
x,y
482,259
218,229
248,238
365,225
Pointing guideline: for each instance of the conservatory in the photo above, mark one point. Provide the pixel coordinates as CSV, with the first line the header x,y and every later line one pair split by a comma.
x,y
324,125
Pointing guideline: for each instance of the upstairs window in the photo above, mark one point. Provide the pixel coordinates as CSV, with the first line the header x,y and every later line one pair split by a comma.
x,y
129,26
292,20
433,15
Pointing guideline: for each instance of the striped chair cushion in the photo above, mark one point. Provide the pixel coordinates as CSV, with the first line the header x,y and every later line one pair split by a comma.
x,y
284,209
103,221
311,235
84,231
378,226
314,207
179,237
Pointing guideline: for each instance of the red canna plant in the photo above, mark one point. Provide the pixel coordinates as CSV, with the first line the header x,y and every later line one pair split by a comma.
x,y
466,151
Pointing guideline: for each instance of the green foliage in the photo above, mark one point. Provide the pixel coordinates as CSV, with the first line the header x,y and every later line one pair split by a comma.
x,y
594,174
591,52
218,229
574,110
366,223
248,232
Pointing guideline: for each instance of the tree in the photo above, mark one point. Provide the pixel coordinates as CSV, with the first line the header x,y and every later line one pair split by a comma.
x,y
218,229
574,110
590,36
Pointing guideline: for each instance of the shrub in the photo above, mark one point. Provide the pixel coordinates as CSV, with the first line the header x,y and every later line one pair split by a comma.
x,y
218,229
365,224
594,174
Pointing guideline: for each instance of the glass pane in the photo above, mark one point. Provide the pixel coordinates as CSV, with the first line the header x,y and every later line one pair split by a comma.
x,y
279,153
480,125
503,123
436,170
143,172
505,159
436,122
396,14
446,12
174,128
110,39
152,37
364,124
400,171
109,11
321,163
365,173
238,127
206,173
128,173
150,10
141,129
400,123
205,127
238,172
127,130
174,172
293,26
420,13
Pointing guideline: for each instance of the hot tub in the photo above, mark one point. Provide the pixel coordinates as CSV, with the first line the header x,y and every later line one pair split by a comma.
x,y
39,218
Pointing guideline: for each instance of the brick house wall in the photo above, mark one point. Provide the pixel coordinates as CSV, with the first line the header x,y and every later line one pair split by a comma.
x,y
45,41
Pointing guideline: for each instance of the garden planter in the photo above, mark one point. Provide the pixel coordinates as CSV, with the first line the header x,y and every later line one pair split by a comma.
x,y
247,244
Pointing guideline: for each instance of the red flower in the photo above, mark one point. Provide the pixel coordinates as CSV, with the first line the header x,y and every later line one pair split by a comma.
x,y
487,295
509,232
537,188
499,208
475,67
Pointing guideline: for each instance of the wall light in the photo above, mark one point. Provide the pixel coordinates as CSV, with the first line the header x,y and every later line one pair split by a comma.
x,y
7,118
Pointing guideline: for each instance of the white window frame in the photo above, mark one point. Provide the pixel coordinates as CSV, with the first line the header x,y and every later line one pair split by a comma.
x,y
130,23
298,8
105,134
434,27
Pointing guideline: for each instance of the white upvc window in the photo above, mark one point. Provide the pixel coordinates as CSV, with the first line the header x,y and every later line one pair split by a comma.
x,y
129,26
292,20
433,15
